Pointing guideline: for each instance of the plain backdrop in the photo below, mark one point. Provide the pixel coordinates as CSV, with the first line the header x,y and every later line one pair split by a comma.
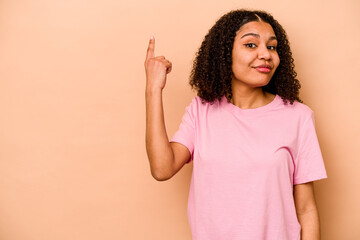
x,y
73,163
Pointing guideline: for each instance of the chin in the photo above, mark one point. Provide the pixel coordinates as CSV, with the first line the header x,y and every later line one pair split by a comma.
x,y
260,84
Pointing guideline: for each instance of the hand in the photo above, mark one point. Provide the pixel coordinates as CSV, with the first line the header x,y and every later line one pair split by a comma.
x,y
156,68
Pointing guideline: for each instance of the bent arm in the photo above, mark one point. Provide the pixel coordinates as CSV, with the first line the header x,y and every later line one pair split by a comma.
x,y
158,148
165,158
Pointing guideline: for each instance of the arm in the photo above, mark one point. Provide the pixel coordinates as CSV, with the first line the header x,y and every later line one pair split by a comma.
x,y
306,211
165,158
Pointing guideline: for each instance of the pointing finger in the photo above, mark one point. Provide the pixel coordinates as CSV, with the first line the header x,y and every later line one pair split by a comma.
x,y
151,48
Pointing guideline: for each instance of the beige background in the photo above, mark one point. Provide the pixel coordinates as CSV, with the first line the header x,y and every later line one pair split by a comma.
x,y
73,163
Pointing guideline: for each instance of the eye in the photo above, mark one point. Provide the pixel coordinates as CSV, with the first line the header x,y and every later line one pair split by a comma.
x,y
250,45
272,47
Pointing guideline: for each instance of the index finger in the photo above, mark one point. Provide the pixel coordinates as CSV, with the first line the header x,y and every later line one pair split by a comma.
x,y
151,48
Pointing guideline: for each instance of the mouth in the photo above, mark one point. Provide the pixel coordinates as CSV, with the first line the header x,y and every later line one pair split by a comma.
x,y
263,68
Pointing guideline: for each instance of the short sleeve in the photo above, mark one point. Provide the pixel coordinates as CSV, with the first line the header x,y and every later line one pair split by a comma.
x,y
309,163
186,132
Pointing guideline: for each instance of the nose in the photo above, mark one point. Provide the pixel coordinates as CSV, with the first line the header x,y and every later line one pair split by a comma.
x,y
264,52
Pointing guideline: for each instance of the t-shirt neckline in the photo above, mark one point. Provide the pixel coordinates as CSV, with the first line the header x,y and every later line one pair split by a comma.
x,y
250,111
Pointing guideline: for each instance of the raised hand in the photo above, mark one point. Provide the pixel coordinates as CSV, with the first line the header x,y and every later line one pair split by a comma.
x,y
165,158
156,68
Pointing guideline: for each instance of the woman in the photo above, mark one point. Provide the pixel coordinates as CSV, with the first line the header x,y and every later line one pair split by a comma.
x,y
251,139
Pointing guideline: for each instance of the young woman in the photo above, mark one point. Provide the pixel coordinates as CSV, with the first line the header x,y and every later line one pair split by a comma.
x,y
252,140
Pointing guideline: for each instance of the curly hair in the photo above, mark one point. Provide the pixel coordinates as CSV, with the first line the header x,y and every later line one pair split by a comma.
x,y
212,71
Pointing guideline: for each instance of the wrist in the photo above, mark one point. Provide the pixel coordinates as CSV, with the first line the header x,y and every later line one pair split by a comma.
x,y
152,90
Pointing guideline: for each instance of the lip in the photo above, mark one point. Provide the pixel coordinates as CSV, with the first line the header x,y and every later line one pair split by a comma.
x,y
264,68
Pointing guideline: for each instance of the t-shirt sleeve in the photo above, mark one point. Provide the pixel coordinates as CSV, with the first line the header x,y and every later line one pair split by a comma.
x,y
309,163
186,132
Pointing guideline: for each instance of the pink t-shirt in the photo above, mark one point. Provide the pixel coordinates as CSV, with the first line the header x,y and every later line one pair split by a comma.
x,y
245,163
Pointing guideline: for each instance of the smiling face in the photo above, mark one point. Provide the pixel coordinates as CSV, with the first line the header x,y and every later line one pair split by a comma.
x,y
254,55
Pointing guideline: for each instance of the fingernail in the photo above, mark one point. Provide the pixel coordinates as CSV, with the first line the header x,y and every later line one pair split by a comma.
x,y
151,37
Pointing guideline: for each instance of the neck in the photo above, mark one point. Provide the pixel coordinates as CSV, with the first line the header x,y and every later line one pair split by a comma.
x,y
251,98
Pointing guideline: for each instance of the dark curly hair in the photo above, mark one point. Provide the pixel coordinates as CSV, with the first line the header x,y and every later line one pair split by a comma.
x,y
211,72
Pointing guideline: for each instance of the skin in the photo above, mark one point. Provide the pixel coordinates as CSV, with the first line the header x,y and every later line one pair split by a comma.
x,y
165,158
306,210
255,44
251,50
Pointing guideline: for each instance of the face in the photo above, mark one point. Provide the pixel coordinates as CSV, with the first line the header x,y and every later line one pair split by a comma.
x,y
254,55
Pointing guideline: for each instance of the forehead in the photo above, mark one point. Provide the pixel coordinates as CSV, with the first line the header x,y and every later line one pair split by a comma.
x,y
256,27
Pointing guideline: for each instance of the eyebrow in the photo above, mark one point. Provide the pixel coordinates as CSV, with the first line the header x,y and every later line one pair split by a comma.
x,y
257,35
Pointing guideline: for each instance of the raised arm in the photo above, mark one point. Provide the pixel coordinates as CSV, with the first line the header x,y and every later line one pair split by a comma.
x,y
165,158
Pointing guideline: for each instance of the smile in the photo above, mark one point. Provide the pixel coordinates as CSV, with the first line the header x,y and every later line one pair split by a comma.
x,y
263,69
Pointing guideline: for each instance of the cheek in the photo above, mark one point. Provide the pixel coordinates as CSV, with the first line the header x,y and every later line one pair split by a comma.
x,y
241,59
276,60
239,66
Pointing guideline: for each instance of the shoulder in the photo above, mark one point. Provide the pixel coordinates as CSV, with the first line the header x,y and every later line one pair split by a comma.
x,y
298,108
198,102
199,108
